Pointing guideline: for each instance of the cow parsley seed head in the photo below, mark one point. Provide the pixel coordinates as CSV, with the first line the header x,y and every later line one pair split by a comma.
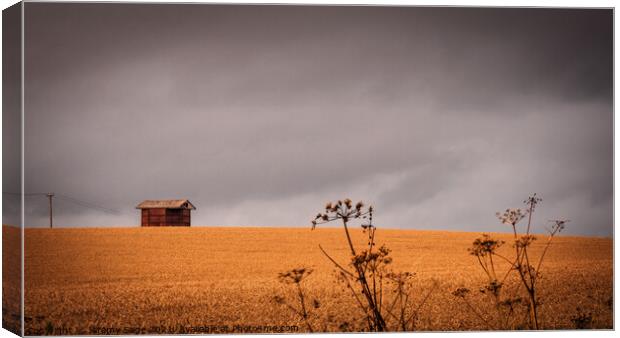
x,y
511,216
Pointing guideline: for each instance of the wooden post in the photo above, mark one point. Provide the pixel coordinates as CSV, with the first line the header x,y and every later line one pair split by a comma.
x,y
50,195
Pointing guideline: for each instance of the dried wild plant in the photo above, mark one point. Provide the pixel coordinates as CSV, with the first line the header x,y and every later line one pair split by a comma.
x,y
485,249
296,277
367,275
368,265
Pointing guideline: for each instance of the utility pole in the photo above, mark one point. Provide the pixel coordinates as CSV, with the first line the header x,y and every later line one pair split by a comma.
x,y
50,195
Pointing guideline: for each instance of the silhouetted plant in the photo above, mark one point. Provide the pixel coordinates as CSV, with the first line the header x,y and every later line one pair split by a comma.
x,y
368,273
528,271
296,277
464,293
402,309
368,265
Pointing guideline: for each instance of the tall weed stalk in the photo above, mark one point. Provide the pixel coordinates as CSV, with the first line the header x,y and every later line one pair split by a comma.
x,y
522,263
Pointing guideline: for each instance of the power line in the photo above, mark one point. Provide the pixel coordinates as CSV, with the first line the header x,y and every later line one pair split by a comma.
x,y
28,194
70,199
88,204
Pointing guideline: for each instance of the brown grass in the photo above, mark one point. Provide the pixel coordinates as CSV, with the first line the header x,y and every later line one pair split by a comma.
x,y
11,278
152,280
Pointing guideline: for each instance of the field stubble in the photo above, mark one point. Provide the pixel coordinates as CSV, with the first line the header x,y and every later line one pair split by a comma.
x,y
81,281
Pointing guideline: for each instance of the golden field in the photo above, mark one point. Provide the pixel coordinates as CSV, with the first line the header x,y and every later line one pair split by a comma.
x,y
11,279
205,279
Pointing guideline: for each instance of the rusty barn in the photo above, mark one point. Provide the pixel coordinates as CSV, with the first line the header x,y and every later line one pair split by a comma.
x,y
166,212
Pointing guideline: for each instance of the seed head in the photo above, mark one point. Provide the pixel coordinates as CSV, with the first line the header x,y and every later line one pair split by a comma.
x,y
348,202
484,245
460,292
558,225
532,201
294,276
511,216
525,241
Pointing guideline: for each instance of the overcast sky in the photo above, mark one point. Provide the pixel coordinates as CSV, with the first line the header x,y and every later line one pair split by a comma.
x,y
260,114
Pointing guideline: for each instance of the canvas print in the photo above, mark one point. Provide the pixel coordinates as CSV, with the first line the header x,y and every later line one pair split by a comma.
x,y
226,169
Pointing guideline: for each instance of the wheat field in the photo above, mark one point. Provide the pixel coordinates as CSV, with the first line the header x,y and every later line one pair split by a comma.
x,y
224,279
11,279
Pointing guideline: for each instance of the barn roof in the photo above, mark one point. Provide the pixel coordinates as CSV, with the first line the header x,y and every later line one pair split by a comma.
x,y
168,204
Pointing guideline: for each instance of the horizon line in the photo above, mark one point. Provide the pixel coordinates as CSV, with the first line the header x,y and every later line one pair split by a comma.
x,y
287,227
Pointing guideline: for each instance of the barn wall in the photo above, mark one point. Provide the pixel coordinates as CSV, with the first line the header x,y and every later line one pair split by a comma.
x,y
157,217
187,220
166,217
145,217
175,217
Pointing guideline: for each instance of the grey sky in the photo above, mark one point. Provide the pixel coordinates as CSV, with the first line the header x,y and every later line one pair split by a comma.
x,y
260,114
11,122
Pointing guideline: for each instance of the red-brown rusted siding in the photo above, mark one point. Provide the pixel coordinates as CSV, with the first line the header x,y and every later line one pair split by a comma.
x,y
165,217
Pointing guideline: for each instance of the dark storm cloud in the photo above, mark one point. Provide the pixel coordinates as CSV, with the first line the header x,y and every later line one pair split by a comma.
x,y
11,112
260,114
